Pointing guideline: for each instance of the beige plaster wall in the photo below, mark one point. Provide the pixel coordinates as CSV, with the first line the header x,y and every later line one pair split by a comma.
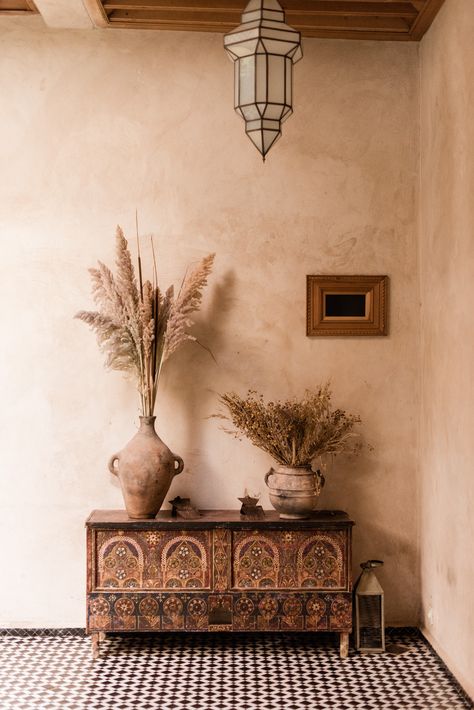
x,y
95,124
447,293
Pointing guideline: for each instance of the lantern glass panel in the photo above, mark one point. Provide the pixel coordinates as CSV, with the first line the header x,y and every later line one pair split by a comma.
x,y
274,111
276,79
296,54
250,112
288,82
261,78
242,47
370,611
269,138
263,139
236,83
247,80
370,622
278,46
287,111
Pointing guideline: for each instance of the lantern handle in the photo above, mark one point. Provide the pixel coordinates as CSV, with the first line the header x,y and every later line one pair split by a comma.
x,y
371,563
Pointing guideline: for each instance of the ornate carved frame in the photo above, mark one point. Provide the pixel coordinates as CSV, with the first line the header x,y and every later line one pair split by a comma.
x,y
375,290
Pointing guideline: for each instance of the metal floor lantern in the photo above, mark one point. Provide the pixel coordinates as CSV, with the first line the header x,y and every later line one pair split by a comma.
x,y
370,621
263,49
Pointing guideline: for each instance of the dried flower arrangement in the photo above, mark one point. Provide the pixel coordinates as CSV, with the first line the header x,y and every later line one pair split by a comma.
x,y
137,325
294,432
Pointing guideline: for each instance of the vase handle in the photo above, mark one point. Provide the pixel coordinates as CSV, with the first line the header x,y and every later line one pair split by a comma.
x,y
320,478
111,464
267,475
178,460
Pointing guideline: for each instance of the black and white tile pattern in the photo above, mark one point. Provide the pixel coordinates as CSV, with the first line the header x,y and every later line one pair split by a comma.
x,y
220,672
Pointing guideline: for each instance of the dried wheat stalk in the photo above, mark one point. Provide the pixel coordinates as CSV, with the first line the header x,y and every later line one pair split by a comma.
x,y
137,326
294,432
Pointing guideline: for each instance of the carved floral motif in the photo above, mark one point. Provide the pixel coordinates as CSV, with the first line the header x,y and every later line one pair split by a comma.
x,y
184,563
221,559
320,563
153,560
256,562
121,563
288,560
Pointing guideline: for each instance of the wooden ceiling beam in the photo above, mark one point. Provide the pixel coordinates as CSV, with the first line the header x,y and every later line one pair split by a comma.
x,y
391,20
296,20
425,18
17,7
347,8
313,33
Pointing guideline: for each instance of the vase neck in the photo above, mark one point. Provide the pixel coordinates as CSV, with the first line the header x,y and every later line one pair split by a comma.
x,y
147,424
294,469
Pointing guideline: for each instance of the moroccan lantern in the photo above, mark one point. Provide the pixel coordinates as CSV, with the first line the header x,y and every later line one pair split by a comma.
x,y
370,621
263,49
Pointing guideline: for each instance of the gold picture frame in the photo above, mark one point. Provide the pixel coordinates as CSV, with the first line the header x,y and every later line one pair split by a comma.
x,y
346,305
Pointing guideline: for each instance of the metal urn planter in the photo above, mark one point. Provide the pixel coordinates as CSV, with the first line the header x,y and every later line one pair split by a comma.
x,y
294,490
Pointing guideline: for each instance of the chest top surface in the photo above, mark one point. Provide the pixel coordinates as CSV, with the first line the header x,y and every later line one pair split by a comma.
x,y
208,519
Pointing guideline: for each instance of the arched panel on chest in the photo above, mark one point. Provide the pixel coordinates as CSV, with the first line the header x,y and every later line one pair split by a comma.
x,y
256,561
184,563
320,562
120,563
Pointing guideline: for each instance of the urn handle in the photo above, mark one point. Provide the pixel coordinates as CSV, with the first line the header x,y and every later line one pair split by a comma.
x,y
320,478
178,460
268,474
111,464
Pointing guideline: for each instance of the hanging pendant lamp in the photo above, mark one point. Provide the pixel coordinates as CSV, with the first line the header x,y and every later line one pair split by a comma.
x,y
263,49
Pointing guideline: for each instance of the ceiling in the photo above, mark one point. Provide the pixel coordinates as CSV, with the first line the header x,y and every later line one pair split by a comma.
x,y
17,7
405,20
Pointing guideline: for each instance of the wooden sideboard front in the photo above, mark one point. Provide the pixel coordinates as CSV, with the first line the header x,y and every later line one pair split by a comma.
x,y
218,572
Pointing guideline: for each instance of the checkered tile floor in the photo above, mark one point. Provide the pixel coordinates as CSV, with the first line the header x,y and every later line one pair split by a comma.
x,y
221,672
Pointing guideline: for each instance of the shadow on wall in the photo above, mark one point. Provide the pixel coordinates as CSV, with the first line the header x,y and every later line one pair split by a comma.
x,y
354,485
187,384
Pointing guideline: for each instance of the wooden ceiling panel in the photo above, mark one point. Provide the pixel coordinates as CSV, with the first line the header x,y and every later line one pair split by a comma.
x,y
17,7
342,19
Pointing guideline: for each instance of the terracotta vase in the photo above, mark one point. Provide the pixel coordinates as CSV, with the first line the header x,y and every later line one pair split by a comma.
x,y
145,468
294,490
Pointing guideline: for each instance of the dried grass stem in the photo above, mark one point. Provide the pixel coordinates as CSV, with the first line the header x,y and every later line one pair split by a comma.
x,y
294,432
137,326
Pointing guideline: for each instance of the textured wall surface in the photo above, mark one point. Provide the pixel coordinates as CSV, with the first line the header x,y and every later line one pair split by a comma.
x,y
96,124
447,268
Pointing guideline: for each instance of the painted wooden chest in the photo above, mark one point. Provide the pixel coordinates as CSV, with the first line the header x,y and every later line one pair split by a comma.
x,y
218,572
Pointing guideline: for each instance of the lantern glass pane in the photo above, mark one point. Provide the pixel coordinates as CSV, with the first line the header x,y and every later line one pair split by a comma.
x,y
297,55
370,622
269,137
236,84
276,45
241,47
257,139
261,78
288,81
250,112
266,4
276,79
274,111
370,611
287,111
263,139
246,80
